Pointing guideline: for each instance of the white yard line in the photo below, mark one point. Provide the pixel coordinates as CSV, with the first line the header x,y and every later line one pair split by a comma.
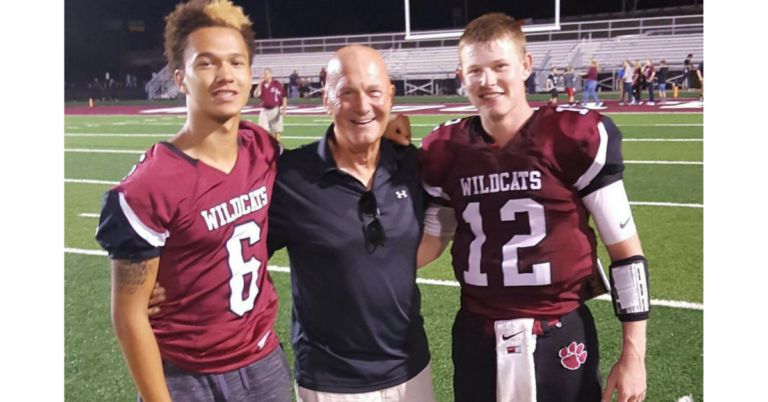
x,y
665,303
662,125
83,181
84,252
105,151
664,204
663,163
85,215
437,282
116,135
662,140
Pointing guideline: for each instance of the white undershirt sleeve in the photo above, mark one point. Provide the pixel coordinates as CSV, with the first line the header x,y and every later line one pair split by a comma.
x,y
439,221
610,209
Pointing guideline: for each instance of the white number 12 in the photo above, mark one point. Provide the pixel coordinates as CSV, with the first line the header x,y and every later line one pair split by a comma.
x,y
542,272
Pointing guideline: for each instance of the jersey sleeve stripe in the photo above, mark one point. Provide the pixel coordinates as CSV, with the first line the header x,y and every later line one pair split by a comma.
x,y
599,161
152,237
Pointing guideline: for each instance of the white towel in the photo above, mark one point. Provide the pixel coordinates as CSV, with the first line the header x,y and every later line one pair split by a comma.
x,y
515,344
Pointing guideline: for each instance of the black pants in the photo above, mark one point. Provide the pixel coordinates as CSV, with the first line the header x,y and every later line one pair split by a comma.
x,y
474,360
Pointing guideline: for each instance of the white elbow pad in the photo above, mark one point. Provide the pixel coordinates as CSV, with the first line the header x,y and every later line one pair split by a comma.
x,y
439,221
609,207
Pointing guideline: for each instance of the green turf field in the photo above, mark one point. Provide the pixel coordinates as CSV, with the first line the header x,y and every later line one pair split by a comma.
x,y
104,148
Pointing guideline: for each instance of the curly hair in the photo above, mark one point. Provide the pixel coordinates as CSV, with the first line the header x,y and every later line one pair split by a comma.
x,y
490,27
195,14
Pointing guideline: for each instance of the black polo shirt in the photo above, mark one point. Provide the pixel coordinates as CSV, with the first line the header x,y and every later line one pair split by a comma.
x,y
356,321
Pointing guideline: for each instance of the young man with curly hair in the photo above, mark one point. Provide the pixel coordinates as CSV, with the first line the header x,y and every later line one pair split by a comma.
x,y
192,214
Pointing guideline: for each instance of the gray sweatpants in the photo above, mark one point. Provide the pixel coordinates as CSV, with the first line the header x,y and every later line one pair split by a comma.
x,y
267,380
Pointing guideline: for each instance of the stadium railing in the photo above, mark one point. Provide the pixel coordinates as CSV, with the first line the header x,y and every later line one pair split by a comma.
x,y
427,67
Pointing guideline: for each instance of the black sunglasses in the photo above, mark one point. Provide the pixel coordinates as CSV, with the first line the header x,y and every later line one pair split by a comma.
x,y
368,212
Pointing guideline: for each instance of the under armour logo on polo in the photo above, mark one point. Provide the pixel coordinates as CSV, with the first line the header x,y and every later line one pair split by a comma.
x,y
402,194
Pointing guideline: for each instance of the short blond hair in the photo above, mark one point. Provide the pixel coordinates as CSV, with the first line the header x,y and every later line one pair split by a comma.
x,y
490,27
195,14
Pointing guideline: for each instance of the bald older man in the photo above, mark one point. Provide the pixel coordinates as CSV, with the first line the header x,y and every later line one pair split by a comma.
x,y
349,209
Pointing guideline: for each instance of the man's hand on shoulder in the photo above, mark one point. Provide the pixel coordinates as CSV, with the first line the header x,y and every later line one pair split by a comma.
x,y
399,130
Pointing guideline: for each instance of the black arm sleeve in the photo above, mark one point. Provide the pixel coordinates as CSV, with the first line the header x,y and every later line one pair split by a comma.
x,y
613,170
116,235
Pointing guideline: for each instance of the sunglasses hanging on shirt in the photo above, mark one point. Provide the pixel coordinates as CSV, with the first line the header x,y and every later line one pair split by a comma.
x,y
368,212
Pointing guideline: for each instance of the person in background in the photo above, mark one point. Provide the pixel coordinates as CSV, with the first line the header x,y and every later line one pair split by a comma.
x,y
626,94
700,73
662,77
551,86
274,104
322,77
687,67
95,89
637,83
293,82
459,86
590,87
620,78
570,84
650,74
304,88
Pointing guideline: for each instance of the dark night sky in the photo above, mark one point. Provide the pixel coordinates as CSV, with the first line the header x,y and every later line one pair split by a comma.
x,y
96,32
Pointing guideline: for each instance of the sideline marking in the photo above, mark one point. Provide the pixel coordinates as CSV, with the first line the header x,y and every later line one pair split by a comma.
x,y
437,282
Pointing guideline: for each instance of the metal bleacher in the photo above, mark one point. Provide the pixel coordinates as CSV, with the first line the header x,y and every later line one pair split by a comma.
x,y
673,49
424,67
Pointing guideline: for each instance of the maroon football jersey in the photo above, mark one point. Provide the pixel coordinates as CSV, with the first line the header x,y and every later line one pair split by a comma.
x,y
209,229
272,94
523,245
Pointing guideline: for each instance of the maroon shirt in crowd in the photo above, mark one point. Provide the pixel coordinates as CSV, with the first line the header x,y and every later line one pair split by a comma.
x,y
272,94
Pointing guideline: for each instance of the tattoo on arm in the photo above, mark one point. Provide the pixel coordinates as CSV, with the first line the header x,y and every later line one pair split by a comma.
x,y
130,275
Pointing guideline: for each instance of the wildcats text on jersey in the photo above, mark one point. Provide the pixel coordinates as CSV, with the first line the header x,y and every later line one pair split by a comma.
x,y
501,182
241,205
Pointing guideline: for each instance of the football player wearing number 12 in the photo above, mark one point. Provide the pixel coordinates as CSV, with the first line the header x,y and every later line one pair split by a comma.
x,y
192,214
515,189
